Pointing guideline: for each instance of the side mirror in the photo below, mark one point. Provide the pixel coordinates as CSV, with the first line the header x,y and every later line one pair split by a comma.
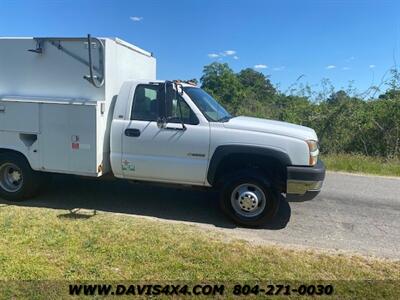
x,y
161,123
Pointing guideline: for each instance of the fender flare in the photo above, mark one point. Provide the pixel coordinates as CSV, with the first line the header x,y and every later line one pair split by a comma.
x,y
222,151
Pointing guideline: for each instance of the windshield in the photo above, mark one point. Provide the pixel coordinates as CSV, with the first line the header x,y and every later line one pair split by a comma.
x,y
210,108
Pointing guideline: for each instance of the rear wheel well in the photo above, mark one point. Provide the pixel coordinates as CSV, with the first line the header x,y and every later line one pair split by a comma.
x,y
5,151
269,166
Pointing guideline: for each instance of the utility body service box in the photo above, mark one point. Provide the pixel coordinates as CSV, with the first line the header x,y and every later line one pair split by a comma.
x,y
49,108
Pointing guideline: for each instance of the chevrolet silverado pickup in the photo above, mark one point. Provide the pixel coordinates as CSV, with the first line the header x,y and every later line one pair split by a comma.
x,y
92,106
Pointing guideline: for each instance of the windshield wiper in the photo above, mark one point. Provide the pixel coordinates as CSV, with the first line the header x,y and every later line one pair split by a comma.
x,y
225,119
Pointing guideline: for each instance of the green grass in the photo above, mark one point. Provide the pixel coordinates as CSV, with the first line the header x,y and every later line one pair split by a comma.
x,y
46,244
362,164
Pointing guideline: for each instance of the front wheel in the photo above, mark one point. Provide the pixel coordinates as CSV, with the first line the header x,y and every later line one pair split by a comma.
x,y
248,199
17,180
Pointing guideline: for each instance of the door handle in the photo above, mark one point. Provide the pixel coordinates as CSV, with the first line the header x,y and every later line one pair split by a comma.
x,y
132,132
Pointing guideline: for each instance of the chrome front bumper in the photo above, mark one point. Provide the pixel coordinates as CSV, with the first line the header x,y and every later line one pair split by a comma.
x,y
304,183
300,187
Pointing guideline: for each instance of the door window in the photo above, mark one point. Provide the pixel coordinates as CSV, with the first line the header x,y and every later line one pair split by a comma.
x,y
145,103
178,106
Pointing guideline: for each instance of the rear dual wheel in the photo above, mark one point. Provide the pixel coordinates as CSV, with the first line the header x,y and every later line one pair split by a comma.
x,y
17,179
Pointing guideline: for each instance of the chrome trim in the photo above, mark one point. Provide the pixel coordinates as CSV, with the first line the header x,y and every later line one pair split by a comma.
x,y
300,187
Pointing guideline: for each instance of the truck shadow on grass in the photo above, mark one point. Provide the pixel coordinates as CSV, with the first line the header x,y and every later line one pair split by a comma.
x,y
119,196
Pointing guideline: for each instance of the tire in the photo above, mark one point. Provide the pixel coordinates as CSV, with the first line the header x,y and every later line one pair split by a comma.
x,y
17,180
248,198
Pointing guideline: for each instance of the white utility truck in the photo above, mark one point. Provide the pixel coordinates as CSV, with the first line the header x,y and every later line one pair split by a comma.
x,y
92,106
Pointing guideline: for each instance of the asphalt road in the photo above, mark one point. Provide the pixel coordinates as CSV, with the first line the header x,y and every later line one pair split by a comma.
x,y
353,213
357,214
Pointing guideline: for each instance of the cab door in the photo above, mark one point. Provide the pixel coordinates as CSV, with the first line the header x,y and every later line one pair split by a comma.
x,y
175,153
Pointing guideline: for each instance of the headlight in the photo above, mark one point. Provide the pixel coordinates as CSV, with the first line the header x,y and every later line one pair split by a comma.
x,y
314,151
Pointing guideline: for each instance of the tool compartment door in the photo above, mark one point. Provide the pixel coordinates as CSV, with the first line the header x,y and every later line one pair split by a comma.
x,y
19,117
68,138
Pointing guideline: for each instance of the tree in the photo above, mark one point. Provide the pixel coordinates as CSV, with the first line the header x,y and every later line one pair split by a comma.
x,y
337,97
257,83
344,123
390,94
221,82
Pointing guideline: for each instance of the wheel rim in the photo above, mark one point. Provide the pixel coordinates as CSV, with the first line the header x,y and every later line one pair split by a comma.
x,y
11,179
248,200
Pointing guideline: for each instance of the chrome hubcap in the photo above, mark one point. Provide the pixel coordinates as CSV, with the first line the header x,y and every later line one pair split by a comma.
x,y
248,200
10,177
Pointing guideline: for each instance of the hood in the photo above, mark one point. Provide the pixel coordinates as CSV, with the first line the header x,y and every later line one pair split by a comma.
x,y
271,126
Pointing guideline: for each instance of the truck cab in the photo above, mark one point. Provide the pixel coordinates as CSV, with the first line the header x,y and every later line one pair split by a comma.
x,y
174,132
